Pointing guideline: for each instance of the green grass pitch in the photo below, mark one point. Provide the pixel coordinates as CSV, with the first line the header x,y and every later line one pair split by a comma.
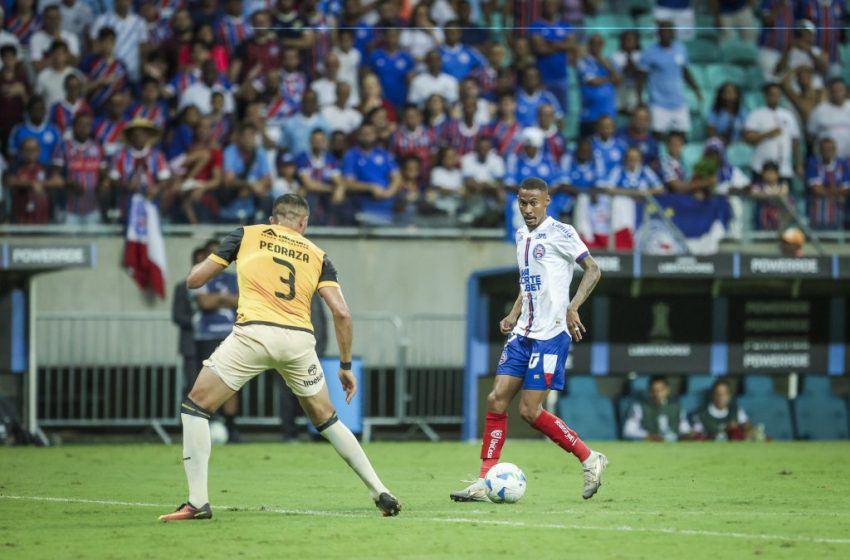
x,y
300,501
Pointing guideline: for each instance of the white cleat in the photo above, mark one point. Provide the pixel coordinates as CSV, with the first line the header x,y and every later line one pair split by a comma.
x,y
475,492
593,469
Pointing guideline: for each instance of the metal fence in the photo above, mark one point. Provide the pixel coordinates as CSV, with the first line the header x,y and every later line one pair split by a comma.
x,y
122,370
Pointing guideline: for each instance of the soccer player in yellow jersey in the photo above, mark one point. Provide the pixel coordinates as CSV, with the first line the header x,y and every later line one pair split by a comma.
x,y
279,270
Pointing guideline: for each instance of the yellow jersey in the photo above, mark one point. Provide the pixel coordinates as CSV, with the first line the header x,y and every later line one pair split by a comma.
x,y
278,271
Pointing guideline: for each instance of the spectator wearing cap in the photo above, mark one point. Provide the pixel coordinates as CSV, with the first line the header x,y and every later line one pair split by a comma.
x,y
422,36
258,54
459,60
61,113
483,171
531,96
130,33
79,165
529,162
233,28
247,175
200,93
553,42
372,173
554,144
77,17
804,52
433,81
680,14
637,134
734,19
727,116
319,172
109,126
8,38
297,130
505,129
105,74
598,78
608,150
828,185
35,126
341,115
828,19
664,67
14,92
831,118
27,181
774,134
139,166
394,67
50,82
626,61
150,105
776,35
42,41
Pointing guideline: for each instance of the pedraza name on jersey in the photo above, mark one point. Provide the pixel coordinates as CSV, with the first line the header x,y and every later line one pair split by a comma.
x,y
530,282
285,251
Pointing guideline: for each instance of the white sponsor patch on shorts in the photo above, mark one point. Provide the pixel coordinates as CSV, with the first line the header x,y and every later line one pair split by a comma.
x,y
549,363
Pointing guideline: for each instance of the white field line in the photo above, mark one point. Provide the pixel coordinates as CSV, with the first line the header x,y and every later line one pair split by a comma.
x,y
466,520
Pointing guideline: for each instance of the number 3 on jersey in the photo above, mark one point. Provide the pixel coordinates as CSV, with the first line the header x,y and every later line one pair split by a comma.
x,y
290,282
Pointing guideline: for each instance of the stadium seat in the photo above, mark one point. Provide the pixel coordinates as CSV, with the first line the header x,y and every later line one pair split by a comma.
x,y
701,51
771,410
608,24
705,27
699,384
718,74
698,127
758,385
742,53
638,386
753,100
740,155
819,414
592,417
691,154
582,386
690,402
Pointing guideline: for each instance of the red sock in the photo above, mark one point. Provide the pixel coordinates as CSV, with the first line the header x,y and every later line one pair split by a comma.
x,y
495,432
558,431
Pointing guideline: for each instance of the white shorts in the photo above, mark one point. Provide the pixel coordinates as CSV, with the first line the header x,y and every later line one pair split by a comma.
x,y
683,20
665,120
252,349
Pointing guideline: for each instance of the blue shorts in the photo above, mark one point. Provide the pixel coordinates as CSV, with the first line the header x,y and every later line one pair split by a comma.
x,y
540,362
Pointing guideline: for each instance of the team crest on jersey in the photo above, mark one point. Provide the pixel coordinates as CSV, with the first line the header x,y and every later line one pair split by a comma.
x,y
539,252
504,357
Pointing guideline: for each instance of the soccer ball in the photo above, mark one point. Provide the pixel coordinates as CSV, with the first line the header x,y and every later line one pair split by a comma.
x,y
218,432
505,483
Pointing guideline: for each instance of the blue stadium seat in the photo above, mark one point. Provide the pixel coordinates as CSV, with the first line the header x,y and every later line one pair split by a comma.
x,y
699,384
691,154
718,74
592,417
701,51
690,402
624,404
607,24
742,53
582,386
639,385
741,155
753,100
771,410
819,414
758,385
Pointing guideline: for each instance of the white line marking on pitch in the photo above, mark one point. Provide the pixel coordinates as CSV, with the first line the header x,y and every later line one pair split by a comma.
x,y
465,520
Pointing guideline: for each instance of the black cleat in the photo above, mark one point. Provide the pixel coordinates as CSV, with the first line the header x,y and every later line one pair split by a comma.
x,y
388,504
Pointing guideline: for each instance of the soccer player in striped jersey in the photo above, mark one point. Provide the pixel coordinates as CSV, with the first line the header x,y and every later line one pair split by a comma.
x,y
279,272
540,327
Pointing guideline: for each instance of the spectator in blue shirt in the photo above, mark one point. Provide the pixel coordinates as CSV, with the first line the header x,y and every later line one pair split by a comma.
x,y
373,173
531,96
394,67
247,175
638,135
553,41
459,59
297,130
633,175
598,79
35,125
727,119
608,150
664,66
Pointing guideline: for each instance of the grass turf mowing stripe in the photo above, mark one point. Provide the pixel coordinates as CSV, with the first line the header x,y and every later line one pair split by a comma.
x,y
463,520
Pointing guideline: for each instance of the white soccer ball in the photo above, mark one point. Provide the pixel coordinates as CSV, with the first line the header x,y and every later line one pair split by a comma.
x,y
218,432
505,483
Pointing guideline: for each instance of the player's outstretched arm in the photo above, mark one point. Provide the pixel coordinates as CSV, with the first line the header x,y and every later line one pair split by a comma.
x,y
591,277
344,328
202,273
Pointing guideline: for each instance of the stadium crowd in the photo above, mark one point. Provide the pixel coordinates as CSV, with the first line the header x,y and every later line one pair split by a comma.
x,y
428,112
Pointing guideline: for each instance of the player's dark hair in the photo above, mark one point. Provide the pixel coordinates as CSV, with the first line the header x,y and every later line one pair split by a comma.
x,y
718,383
534,184
290,206
658,379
